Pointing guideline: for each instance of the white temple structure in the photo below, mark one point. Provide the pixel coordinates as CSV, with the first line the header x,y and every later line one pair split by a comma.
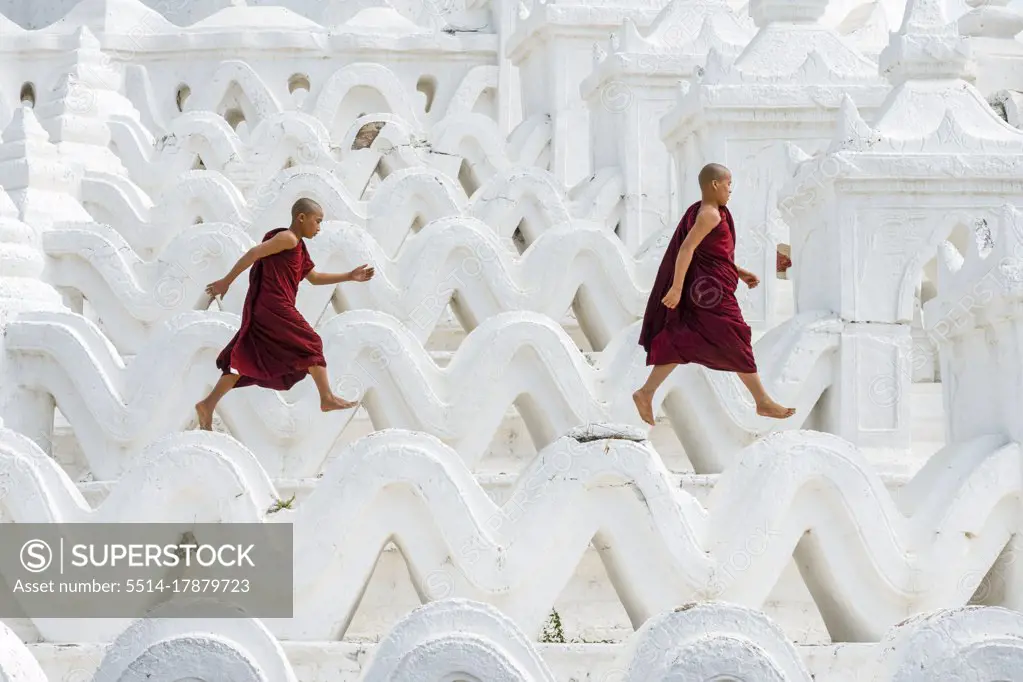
x,y
495,510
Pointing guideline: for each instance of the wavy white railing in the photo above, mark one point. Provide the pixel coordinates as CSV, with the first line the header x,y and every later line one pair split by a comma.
x,y
520,358
403,200
867,559
147,225
451,260
235,80
290,138
477,139
133,297
531,199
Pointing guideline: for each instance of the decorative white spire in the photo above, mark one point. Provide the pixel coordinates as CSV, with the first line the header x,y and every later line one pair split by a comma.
x,y
21,255
32,172
792,46
76,112
927,47
933,108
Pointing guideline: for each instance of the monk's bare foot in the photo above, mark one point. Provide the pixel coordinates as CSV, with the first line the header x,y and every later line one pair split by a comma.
x,y
645,405
769,408
334,403
205,416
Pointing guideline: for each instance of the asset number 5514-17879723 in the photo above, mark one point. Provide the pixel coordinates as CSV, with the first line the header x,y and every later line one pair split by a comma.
x,y
189,585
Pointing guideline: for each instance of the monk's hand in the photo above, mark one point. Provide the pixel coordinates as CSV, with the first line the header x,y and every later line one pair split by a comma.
x,y
749,278
672,298
363,273
217,289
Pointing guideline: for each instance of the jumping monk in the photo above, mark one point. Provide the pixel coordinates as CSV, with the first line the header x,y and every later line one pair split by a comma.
x,y
692,315
275,346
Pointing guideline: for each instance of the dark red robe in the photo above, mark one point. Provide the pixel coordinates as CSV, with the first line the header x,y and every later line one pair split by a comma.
x,y
706,328
275,346
782,263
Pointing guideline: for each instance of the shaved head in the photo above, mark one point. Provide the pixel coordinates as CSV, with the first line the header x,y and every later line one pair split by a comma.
x,y
305,205
712,172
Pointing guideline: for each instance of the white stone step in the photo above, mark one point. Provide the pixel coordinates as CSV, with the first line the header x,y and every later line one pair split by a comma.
x,y
346,661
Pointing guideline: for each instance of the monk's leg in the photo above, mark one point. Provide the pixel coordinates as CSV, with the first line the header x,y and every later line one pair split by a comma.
x,y
328,401
204,408
766,407
644,397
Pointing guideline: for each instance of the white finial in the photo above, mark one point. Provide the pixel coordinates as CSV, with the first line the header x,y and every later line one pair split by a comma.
x,y
927,47
926,17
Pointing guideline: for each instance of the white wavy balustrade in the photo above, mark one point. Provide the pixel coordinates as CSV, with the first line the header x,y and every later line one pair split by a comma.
x,y
867,560
532,199
325,103
291,138
307,134
280,141
450,260
522,358
208,196
236,79
147,225
134,297
462,262
404,199
478,140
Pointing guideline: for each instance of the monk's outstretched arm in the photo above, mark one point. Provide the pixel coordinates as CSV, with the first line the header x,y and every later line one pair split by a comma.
x,y
328,277
279,242
362,273
706,221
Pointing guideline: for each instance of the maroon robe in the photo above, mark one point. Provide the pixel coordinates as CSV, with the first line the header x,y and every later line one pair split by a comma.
x,y
706,327
275,346
782,263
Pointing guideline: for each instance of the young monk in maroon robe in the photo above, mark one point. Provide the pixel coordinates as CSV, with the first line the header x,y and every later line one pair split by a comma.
x,y
275,347
692,315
